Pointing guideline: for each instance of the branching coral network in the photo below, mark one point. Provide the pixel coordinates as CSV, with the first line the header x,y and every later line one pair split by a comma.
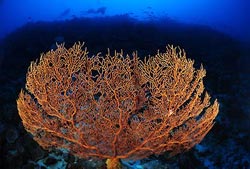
x,y
116,107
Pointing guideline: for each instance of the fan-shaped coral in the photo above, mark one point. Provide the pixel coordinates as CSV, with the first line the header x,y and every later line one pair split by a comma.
x,y
116,107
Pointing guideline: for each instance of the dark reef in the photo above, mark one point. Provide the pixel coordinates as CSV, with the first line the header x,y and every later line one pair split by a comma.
x,y
226,60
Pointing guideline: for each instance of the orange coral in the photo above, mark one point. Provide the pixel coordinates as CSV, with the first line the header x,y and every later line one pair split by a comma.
x,y
116,107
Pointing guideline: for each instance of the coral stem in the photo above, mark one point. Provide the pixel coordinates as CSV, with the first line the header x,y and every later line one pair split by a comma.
x,y
113,163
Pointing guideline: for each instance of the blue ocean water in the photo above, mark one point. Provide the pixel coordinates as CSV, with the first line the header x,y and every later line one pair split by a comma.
x,y
215,33
228,16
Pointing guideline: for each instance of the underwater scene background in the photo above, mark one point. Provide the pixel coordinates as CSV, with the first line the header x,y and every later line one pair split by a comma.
x,y
214,33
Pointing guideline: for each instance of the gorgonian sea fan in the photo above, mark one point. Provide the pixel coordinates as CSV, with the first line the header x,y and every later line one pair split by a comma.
x,y
116,107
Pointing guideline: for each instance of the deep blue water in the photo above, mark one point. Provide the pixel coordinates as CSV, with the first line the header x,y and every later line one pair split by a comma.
x,y
215,33
229,16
